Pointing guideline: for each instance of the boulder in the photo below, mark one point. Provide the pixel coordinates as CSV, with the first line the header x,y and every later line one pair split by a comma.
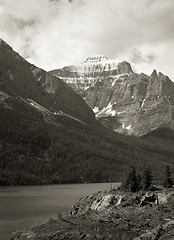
x,y
148,198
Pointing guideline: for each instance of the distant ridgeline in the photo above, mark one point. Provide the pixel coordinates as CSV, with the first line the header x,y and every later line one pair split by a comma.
x,y
50,135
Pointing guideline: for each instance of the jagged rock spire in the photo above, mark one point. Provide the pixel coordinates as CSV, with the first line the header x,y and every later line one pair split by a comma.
x,y
154,74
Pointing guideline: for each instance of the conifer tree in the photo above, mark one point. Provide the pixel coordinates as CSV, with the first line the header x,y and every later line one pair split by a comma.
x,y
168,181
147,179
131,183
139,179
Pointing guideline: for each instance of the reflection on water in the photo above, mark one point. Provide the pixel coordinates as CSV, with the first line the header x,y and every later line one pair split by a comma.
x,y
25,206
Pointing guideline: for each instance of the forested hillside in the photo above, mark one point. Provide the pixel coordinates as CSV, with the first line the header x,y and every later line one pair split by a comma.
x,y
33,151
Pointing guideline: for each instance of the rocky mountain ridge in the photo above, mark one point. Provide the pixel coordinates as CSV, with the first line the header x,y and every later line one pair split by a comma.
x,y
127,102
38,88
85,75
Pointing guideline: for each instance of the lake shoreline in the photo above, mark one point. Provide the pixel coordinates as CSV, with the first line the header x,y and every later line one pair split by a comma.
x,y
112,214
24,206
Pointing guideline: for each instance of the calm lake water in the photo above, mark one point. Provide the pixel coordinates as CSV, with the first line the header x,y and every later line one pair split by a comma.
x,y
26,206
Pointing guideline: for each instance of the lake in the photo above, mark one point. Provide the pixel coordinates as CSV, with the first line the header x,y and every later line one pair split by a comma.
x,y
26,206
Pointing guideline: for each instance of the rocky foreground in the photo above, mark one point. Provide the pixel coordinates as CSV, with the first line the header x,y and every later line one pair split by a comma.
x,y
113,214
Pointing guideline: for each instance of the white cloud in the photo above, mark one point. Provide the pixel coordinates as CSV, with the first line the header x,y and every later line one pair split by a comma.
x,y
54,33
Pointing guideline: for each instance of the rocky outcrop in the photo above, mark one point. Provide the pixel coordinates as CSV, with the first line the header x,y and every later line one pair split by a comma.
x,y
110,215
148,198
105,200
98,202
122,100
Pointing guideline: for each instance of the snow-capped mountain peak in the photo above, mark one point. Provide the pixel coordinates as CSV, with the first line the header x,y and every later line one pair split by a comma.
x,y
98,63
121,99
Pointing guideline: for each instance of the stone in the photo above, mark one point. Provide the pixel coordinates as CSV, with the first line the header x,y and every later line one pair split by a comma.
x,y
148,198
163,198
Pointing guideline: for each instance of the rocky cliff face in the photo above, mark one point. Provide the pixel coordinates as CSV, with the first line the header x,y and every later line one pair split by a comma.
x,y
91,71
122,100
38,88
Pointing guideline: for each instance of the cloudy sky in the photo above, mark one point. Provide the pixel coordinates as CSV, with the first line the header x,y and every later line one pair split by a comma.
x,y
55,33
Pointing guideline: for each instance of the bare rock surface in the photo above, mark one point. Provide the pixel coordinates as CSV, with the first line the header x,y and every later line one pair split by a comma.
x,y
122,100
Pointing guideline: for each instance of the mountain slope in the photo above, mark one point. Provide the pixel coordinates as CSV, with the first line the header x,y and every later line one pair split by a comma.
x,y
49,135
122,100
33,151
18,78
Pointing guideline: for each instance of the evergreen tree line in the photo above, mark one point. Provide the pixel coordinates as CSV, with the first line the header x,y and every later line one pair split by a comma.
x,y
135,182
33,151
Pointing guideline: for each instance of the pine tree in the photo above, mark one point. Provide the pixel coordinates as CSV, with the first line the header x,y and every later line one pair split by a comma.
x,y
168,181
147,179
139,181
131,183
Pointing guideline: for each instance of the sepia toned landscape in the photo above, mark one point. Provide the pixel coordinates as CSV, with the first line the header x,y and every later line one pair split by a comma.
x,y
86,119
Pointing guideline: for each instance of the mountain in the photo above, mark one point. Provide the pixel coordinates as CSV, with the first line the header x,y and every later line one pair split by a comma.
x,y
127,102
32,85
50,135
85,75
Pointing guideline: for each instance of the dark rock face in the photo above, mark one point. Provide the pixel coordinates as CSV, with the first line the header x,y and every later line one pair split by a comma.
x,y
122,100
19,79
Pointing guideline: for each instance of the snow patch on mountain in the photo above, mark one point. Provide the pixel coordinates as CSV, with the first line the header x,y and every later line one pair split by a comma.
x,y
96,109
128,127
113,113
